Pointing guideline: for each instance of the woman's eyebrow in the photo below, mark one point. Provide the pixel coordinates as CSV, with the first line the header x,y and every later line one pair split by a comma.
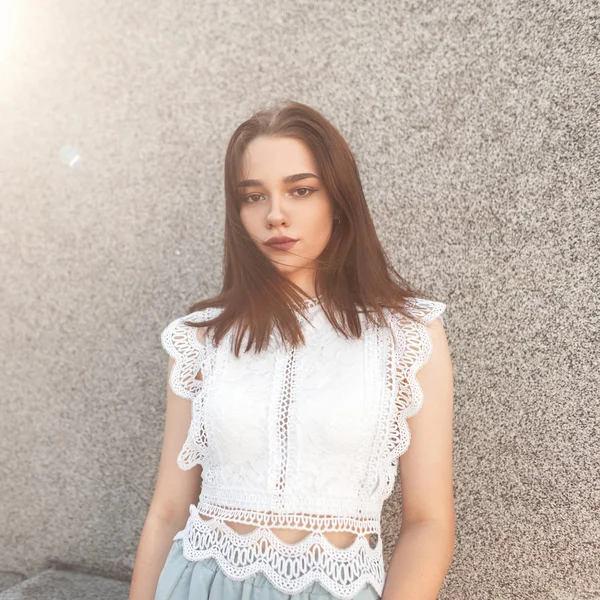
x,y
288,179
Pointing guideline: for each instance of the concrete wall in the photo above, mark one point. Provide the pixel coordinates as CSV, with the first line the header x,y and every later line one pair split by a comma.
x,y
475,125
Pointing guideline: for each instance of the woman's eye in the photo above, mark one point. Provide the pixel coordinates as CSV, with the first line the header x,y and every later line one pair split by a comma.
x,y
305,189
247,198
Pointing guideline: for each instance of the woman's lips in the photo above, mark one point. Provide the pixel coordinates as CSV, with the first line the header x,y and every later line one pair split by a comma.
x,y
283,246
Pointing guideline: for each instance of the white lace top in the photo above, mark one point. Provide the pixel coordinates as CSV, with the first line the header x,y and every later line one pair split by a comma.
x,y
306,438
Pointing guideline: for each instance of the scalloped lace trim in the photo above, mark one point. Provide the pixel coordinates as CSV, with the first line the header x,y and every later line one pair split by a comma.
x,y
410,351
295,520
289,567
182,344
191,356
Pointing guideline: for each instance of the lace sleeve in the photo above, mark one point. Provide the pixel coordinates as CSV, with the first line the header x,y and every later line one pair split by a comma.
x,y
182,344
411,349
413,346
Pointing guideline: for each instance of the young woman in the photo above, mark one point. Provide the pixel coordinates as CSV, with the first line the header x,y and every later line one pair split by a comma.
x,y
289,394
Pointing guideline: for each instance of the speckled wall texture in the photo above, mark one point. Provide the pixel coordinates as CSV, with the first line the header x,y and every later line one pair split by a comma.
x,y
475,125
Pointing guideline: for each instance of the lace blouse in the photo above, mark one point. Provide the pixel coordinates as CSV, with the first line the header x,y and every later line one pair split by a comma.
x,y
306,438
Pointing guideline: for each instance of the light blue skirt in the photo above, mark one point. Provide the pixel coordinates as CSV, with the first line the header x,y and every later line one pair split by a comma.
x,y
182,579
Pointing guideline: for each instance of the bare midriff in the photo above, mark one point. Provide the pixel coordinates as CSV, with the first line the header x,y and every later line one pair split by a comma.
x,y
341,539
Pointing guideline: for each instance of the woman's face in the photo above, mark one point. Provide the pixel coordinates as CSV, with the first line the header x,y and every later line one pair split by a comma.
x,y
282,195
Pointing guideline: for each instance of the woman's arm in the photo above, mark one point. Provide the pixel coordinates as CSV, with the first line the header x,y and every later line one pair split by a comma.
x,y
425,546
175,490
153,548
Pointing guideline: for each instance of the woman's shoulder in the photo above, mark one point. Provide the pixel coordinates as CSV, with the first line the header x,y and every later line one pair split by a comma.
x,y
202,314
423,310
183,333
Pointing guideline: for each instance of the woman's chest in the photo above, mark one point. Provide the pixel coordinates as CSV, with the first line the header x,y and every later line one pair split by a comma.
x,y
327,398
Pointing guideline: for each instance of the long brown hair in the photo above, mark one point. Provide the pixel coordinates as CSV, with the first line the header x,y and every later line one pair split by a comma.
x,y
353,273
